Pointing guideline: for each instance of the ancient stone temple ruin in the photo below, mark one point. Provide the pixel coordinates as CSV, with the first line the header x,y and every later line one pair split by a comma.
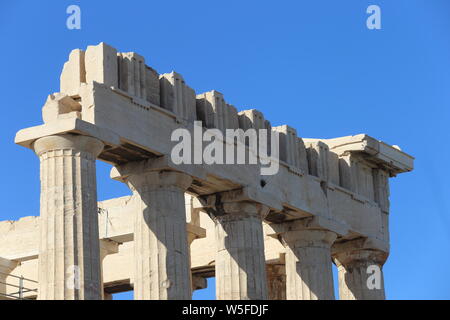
x,y
261,237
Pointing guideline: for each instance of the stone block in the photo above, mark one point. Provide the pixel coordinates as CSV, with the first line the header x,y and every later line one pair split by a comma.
x,y
177,97
74,73
101,65
214,112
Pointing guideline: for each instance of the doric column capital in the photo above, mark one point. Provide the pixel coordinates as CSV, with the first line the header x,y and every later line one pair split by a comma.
x,y
361,250
154,180
74,142
358,280
239,210
220,206
308,238
360,257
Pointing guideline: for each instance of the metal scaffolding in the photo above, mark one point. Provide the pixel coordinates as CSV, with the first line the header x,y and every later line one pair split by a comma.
x,y
21,288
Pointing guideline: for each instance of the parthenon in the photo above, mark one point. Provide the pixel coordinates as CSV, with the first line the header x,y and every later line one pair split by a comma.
x,y
261,237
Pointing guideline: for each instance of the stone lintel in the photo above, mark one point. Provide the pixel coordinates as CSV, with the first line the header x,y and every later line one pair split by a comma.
x,y
360,244
377,151
196,231
245,194
121,238
199,282
23,256
108,246
26,137
162,163
310,223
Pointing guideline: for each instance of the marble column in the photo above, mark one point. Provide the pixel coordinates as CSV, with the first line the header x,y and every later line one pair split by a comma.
x,y
162,264
308,264
6,267
360,274
276,281
240,261
69,253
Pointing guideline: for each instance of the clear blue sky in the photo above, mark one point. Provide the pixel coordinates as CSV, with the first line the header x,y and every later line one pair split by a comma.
x,y
310,64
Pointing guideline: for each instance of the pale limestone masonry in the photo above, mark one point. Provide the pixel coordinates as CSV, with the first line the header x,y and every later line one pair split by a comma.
x,y
240,273
107,247
160,237
352,259
69,220
308,271
262,237
6,268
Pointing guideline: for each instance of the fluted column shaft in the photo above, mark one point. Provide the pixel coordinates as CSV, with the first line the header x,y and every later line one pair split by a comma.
x,y
162,264
308,264
360,274
69,254
240,261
